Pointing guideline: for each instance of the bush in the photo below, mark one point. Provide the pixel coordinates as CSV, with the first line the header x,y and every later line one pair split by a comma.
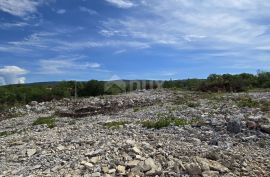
x,y
49,121
115,124
165,122
248,102
5,133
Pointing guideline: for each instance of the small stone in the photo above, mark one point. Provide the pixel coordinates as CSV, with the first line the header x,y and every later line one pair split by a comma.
x,y
121,169
107,175
133,163
105,169
94,160
210,174
130,142
30,152
251,125
96,174
136,150
60,147
111,171
148,164
94,153
87,164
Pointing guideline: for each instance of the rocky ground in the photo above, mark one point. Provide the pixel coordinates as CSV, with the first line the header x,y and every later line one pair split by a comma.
x,y
107,136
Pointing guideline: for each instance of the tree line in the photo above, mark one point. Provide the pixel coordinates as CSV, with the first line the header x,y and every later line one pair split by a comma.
x,y
13,95
223,83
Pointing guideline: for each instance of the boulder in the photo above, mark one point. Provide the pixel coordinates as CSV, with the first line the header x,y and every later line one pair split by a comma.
x,y
193,169
234,126
265,128
251,125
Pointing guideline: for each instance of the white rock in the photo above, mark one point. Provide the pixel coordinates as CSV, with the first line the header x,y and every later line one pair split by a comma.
x,y
121,169
30,152
60,147
87,164
136,150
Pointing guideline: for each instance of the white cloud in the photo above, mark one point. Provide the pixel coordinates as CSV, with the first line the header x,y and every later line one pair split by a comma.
x,y
80,45
10,75
89,11
61,11
11,25
19,7
121,3
64,64
120,51
114,77
192,24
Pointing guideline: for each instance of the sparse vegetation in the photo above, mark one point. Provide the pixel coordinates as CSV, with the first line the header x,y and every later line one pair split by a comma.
x,y
262,143
165,122
249,102
136,109
115,124
193,104
6,133
49,121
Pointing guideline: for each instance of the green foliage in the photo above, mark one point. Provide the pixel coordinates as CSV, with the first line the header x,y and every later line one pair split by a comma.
x,y
223,83
248,102
263,80
91,88
136,109
193,104
262,143
189,84
49,121
115,124
6,133
165,122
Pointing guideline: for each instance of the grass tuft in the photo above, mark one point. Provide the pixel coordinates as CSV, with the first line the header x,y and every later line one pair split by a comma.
x,y
50,121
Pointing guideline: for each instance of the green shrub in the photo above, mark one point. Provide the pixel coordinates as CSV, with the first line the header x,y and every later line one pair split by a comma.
x,y
6,133
193,104
165,122
49,121
115,124
265,106
247,102
136,109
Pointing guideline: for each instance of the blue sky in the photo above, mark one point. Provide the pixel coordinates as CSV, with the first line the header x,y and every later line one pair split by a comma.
x,y
48,40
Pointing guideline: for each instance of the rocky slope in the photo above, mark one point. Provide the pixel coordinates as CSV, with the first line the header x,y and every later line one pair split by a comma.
x,y
106,136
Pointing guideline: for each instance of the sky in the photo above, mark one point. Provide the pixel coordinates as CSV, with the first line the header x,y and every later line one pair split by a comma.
x,y
54,40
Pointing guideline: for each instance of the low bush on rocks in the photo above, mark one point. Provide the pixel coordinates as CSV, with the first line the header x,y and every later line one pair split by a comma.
x,y
115,124
136,109
165,122
49,121
6,133
248,102
193,104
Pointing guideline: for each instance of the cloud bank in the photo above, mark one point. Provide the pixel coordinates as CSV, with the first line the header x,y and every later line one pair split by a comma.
x,y
11,75
19,8
121,3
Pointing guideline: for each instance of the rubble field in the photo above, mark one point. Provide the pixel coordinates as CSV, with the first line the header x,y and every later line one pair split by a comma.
x,y
142,133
